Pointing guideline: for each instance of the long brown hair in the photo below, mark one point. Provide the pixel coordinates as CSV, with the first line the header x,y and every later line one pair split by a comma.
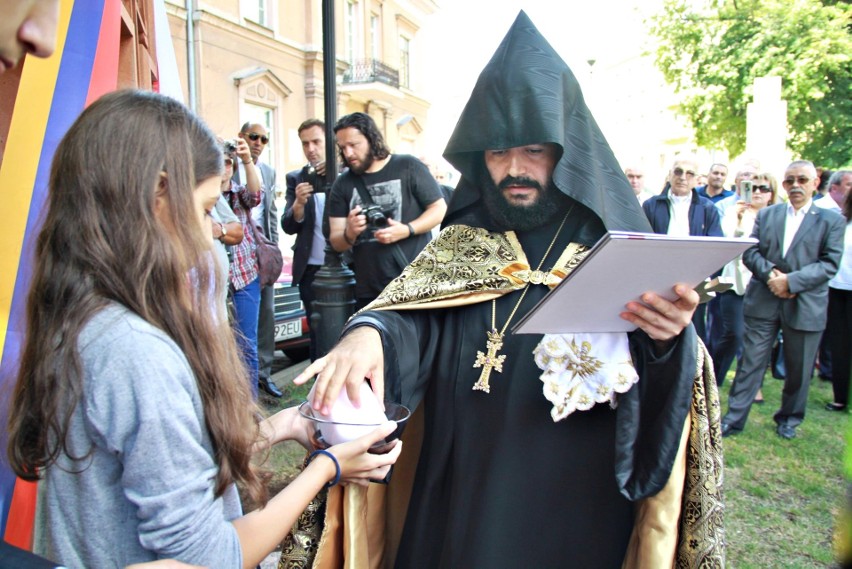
x,y
103,240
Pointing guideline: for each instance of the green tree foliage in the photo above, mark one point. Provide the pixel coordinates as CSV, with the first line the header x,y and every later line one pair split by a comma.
x,y
712,50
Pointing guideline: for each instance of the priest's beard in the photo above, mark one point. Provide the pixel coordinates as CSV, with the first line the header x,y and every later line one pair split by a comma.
x,y
551,204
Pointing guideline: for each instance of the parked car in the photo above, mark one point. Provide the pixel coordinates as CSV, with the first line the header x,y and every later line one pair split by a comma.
x,y
292,331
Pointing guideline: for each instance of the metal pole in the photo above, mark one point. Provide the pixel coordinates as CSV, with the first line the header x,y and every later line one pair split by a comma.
x,y
190,55
334,283
329,78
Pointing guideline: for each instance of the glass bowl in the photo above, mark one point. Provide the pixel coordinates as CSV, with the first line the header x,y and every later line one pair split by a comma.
x,y
323,431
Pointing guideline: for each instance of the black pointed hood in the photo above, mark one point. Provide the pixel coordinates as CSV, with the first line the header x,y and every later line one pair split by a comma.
x,y
528,95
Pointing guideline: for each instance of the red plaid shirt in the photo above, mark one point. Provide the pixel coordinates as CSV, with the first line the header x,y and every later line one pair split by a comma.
x,y
243,268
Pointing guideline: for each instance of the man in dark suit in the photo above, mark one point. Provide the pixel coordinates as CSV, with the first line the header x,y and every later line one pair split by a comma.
x,y
799,250
680,211
303,212
265,216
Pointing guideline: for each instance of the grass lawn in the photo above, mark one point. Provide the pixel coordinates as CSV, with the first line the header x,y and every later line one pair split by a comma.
x,y
782,497
285,460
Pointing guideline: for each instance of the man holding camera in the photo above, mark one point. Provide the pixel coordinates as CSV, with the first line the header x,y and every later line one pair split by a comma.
x,y
383,207
265,216
303,211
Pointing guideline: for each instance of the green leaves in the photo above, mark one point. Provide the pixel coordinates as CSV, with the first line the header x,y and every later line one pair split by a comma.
x,y
712,50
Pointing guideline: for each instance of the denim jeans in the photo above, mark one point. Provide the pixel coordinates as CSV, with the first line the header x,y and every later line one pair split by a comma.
x,y
246,310
729,334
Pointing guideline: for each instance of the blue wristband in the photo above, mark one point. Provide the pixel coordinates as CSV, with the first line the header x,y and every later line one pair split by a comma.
x,y
336,478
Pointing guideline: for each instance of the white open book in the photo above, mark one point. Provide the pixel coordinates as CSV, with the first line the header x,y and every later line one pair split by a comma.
x,y
621,267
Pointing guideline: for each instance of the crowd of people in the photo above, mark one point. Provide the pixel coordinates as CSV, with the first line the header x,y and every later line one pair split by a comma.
x,y
155,361
788,292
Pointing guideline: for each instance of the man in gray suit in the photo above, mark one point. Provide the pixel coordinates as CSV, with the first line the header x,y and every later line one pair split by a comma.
x,y
799,250
265,216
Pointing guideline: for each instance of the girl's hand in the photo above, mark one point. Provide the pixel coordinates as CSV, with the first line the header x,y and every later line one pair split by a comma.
x,y
357,465
285,425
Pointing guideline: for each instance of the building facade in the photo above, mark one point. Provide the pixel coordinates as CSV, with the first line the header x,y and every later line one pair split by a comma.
x,y
262,61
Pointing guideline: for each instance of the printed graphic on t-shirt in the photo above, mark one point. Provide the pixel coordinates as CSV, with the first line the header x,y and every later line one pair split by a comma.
x,y
386,195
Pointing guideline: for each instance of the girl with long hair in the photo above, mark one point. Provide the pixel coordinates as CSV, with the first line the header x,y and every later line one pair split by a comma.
x,y
132,405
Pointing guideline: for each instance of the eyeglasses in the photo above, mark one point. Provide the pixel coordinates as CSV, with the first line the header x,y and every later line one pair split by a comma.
x,y
678,172
800,180
762,189
253,136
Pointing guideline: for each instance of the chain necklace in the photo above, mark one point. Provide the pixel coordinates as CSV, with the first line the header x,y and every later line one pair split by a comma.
x,y
490,360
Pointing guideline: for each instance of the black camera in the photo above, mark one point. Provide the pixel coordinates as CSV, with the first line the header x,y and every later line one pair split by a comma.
x,y
376,218
312,177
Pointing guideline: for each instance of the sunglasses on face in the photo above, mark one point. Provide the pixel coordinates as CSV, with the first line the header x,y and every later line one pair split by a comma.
x,y
800,180
253,136
678,172
763,189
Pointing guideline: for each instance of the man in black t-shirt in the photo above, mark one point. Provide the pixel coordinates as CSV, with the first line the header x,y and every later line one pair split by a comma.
x,y
405,203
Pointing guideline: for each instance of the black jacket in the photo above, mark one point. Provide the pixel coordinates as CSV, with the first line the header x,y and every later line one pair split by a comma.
x,y
304,230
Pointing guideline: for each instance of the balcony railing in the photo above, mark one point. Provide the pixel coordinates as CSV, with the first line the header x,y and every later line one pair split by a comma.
x,y
371,71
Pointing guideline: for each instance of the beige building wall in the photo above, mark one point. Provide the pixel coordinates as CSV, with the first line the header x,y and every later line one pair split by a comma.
x,y
261,60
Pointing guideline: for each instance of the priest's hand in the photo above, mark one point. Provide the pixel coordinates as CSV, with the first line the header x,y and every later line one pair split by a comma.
x,y
358,356
661,319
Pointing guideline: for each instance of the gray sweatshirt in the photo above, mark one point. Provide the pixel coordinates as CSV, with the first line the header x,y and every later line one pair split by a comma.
x,y
146,490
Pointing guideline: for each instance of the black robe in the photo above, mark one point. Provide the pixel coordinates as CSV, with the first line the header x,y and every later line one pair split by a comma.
x,y
498,483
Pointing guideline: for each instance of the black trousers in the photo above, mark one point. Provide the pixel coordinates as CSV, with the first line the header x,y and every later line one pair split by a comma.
x,y
838,331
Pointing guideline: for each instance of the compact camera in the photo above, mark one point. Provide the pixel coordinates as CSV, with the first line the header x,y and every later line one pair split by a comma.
x,y
745,190
376,218
230,146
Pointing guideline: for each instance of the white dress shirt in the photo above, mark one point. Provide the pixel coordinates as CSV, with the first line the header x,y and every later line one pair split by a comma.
x,y
827,202
792,223
843,279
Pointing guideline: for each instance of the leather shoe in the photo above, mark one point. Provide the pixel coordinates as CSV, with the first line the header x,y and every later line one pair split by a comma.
x,y
835,407
729,431
266,384
786,431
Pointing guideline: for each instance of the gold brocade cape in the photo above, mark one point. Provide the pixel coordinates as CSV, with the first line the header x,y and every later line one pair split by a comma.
x,y
680,526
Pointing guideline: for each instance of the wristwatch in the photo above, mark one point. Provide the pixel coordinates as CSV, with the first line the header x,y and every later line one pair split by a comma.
x,y
224,231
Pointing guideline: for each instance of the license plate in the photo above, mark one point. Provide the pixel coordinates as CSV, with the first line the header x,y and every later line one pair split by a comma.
x,y
287,330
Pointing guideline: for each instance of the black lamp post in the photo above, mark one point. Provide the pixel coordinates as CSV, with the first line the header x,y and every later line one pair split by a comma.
x,y
334,283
